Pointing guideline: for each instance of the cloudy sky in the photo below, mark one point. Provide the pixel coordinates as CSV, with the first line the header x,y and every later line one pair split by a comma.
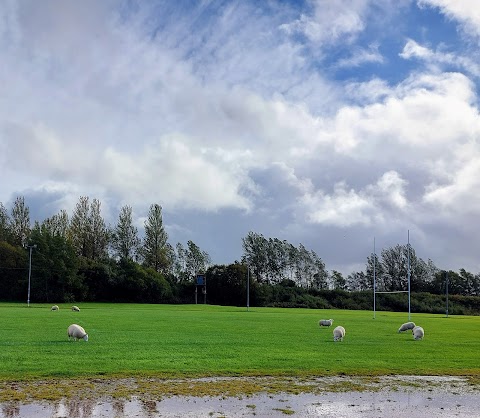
x,y
322,122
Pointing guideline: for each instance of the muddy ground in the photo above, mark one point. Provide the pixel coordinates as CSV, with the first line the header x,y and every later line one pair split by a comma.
x,y
342,396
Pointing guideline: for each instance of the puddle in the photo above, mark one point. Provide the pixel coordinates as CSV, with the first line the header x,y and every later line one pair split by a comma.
x,y
412,397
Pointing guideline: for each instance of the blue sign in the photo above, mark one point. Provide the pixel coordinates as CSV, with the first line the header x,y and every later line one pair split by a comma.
x,y
200,280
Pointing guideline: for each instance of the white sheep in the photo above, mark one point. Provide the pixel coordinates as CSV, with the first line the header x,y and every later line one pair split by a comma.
x,y
76,332
325,322
406,326
338,333
75,308
418,333
55,308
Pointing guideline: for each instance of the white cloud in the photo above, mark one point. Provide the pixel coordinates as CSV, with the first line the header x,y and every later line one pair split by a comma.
x,y
375,90
413,49
346,207
362,56
343,208
458,193
216,108
391,188
425,114
331,21
176,173
428,129
439,58
466,12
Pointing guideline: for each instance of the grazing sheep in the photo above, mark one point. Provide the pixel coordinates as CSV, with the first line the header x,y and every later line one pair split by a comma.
x,y
325,322
406,326
75,308
418,333
338,333
76,332
54,308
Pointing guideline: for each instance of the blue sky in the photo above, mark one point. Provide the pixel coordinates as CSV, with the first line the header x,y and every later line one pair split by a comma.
x,y
321,122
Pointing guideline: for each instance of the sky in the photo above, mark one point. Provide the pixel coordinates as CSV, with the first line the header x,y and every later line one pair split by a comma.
x,y
329,123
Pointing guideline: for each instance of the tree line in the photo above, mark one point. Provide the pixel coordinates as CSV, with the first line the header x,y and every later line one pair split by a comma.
x,y
81,258
273,261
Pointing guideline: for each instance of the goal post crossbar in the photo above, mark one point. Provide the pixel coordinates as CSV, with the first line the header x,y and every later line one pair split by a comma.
x,y
394,291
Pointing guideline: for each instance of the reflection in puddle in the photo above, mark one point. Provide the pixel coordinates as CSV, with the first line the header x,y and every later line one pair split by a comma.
x,y
10,410
348,405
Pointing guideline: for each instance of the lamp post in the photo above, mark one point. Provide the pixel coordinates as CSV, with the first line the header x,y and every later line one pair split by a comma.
x,y
31,247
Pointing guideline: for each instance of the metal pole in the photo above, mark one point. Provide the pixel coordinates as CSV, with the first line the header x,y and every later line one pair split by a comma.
x,y
408,258
248,287
31,247
374,284
446,282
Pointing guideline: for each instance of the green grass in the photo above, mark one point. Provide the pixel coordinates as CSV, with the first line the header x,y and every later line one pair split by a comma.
x,y
199,340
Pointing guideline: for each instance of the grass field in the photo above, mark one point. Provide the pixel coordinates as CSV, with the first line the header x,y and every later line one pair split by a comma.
x,y
201,340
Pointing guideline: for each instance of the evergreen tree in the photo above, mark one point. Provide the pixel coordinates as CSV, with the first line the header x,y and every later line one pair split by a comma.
x,y
57,224
99,234
125,241
155,241
80,228
88,232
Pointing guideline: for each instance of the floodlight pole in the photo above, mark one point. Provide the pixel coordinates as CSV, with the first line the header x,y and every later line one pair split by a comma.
x,y
31,247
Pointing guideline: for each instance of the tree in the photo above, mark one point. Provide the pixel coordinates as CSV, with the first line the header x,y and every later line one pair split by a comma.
x,y
227,285
99,235
125,241
367,281
13,272
57,224
320,274
254,248
80,228
4,223
310,269
358,281
394,263
87,231
54,268
401,262
20,222
197,260
155,241
180,263
470,283
338,281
